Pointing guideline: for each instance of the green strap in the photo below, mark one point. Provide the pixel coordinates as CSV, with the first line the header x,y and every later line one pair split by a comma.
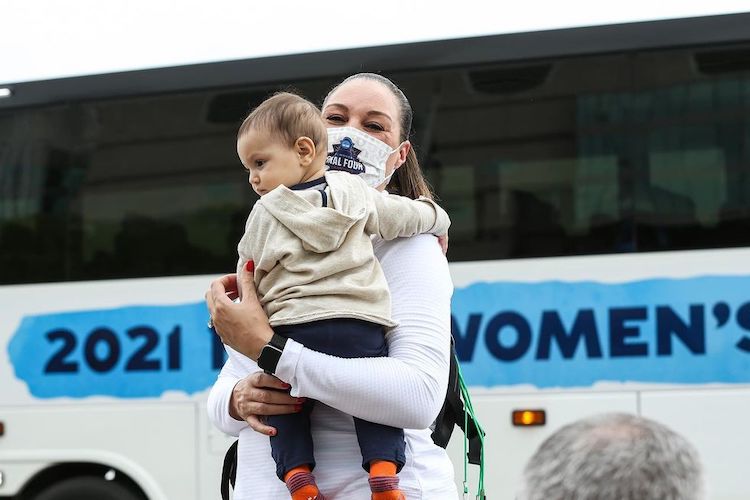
x,y
469,410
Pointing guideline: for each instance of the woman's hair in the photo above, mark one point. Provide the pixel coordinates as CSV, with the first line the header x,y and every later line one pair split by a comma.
x,y
288,117
408,179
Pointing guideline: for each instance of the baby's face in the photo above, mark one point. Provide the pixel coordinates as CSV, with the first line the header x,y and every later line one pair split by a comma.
x,y
268,162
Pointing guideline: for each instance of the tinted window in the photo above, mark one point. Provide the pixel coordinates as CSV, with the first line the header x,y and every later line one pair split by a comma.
x,y
123,188
616,153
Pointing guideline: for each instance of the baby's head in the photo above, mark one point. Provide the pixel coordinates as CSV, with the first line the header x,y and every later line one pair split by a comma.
x,y
282,141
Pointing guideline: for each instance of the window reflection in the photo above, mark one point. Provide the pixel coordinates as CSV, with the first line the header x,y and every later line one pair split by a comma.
x,y
641,169
602,154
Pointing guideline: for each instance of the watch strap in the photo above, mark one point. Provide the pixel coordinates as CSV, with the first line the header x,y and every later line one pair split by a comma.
x,y
271,353
278,341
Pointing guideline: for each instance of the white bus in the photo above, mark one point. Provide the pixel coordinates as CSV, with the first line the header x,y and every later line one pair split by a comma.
x,y
598,179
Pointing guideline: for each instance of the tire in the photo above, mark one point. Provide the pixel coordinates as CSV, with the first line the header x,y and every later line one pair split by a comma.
x,y
87,488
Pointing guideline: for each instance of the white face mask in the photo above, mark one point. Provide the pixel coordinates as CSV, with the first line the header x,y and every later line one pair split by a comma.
x,y
356,152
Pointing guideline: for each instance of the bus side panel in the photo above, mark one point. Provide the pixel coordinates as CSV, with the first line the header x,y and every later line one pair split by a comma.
x,y
155,443
716,422
213,447
508,448
15,474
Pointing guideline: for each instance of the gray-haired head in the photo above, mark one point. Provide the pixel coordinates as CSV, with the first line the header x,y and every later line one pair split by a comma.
x,y
614,456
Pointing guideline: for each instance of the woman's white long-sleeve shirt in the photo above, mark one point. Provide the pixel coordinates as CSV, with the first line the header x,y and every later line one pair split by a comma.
x,y
405,390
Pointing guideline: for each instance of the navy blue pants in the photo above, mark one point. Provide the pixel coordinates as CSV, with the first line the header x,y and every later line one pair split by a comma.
x,y
292,445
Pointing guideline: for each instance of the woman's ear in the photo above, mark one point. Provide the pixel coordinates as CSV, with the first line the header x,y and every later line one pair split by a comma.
x,y
305,148
403,153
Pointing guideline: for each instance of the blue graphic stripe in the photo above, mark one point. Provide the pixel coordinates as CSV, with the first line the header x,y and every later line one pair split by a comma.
x,y
560,334
548,334
128,352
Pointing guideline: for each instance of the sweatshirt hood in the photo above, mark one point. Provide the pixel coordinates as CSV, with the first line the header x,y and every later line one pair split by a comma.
x,y
321,229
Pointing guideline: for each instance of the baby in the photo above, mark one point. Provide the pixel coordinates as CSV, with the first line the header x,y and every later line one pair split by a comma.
x,y
315,272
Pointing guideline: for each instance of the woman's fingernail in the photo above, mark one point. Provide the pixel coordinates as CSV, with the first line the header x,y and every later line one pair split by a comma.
x,y
301,400
286,386
250,266
272,432
298,407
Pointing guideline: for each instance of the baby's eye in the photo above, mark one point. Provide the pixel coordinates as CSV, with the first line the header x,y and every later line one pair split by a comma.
x,y
259,163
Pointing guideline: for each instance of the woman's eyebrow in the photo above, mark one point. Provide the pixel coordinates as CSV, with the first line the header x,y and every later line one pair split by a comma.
x,y
335,105
372,112
380,113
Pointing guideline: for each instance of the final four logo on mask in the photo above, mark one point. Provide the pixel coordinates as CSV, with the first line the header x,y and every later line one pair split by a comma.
x,y
345,157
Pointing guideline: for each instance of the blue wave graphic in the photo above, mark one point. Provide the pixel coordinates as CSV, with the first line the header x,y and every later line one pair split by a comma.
x,y
565,334
547,334
129,352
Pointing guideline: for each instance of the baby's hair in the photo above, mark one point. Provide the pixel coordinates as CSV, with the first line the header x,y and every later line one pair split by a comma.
x,y
287,117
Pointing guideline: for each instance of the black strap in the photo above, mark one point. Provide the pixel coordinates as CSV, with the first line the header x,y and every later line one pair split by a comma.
x,y
446,419
452,414
229,470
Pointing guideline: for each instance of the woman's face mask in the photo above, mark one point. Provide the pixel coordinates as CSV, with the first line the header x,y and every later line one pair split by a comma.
x,y
356,152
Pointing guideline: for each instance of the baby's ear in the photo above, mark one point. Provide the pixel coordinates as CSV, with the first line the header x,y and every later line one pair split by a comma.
x,y
305,148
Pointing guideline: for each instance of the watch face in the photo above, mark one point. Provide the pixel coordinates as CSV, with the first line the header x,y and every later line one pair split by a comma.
x,y
269,358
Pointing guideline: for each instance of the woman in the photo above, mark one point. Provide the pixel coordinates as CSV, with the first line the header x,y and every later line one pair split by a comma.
x,y
404,390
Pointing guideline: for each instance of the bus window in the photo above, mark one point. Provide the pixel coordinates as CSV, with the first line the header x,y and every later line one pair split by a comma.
x,y
124,188
605,154
628,152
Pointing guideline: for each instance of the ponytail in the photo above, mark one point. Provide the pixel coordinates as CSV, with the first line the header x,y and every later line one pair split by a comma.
x,y
408,179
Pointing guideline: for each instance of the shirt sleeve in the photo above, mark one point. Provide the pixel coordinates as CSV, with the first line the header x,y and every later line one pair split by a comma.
x,y
219,397
392,216
407,388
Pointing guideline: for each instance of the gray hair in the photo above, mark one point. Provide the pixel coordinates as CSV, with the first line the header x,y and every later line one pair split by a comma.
x,y
614,456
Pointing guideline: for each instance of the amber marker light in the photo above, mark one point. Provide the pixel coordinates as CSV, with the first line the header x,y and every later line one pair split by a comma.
x,y
528,418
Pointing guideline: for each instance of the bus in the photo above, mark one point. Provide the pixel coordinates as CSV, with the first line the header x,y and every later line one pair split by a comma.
x,y
597,174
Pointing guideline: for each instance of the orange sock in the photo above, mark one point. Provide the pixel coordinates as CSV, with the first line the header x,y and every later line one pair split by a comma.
x,y
382,468
301,484
384,482
388,495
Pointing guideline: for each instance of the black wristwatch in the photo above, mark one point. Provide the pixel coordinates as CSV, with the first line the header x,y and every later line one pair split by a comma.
x,y
271,353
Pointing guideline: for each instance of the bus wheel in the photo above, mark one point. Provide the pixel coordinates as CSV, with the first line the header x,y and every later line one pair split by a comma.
x,y
87,488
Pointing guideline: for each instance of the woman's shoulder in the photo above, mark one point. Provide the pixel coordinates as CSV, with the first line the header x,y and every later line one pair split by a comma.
x,y
416,258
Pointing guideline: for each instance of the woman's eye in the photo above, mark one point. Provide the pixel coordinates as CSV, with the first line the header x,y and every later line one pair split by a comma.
x,y
335,118
375,126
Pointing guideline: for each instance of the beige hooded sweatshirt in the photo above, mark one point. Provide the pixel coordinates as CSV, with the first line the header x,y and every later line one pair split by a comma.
x,y
314,262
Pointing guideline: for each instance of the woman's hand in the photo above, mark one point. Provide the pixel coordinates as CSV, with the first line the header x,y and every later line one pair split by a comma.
x,y
261,394
243,325
443,240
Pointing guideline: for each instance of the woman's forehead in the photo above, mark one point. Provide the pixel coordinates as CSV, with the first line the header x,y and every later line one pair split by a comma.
x,y
364,96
